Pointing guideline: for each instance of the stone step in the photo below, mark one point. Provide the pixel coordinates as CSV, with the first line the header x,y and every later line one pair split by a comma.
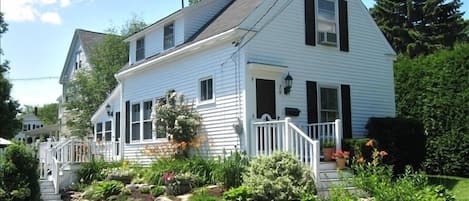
x,y
47,190
327,166
325,193
50,196
330,183
334,174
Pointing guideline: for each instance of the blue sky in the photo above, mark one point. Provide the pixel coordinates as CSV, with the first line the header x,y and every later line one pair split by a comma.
x,y
40,32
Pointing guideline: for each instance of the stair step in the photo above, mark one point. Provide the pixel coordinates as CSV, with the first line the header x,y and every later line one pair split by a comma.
x,y
334,174
330,183
327,165
50,196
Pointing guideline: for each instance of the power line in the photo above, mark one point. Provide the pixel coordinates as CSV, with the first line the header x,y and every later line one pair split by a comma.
x,y
35,78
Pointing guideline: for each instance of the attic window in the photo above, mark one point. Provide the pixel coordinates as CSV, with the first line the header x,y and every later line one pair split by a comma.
x,y
78,61
169,36
327,31
140,50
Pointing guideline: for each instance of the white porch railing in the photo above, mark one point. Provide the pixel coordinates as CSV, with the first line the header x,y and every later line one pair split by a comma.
x,y
270,136
329,131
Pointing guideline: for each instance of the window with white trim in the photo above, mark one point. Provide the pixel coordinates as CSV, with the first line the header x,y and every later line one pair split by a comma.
x,y
135,131
328,104
168,36
107,130
99,131
327,22
140,49
78,61
147,123
206,89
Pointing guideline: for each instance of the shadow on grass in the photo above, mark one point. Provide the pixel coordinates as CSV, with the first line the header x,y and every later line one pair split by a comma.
x,y
447,182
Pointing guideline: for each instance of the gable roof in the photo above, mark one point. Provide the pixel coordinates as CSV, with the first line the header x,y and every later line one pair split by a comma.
x,y
228,18
88,39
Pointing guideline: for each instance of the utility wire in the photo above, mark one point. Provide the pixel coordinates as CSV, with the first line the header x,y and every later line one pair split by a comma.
x,y
35,78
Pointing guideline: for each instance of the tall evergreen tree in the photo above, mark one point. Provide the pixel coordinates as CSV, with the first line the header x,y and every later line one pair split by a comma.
x,y
8,107
418,27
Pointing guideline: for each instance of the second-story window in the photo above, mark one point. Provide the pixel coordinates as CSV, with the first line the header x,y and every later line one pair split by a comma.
x,y
168,36
327,30
78,61
140,50
206,89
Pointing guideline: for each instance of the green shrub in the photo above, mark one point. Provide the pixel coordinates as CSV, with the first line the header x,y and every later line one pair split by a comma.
x,y
18,174
230,169
309,197
202,195
201,169
154,174
434,89
280,177
241,193
94,170
403,139
103,189
157,191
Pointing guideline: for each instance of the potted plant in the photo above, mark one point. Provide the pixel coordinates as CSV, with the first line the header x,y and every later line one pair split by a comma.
x,y
328,149
341,158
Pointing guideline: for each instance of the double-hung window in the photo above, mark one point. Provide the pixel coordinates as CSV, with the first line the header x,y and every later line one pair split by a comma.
x,y
107,131
140,49
329,104
147,123
135,122
99,131
327,22
169,36
206,89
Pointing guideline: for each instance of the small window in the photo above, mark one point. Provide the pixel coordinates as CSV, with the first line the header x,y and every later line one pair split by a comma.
x,y
147,127
140,50
168,36
108,131
206,89
78,61
329,104
99,131
136,122
326,15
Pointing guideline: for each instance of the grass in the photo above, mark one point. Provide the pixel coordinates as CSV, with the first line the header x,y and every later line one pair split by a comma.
x,y
458,186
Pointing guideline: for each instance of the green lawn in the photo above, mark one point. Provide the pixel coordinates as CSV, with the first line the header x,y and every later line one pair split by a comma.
x,y
459,186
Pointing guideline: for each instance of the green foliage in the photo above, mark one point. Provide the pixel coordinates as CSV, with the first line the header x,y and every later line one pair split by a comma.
x,y
309,197
203,197
328,144
8,107
18,174
280,177
94,170
357,147
241,193
457,185
157,191
202,169
48,113
103,189
419,27
179,119
403,139
154,175
435,90
230,169
91,87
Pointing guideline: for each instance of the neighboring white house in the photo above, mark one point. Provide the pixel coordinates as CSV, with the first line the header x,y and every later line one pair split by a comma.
x,y
242,61
81,47
29,122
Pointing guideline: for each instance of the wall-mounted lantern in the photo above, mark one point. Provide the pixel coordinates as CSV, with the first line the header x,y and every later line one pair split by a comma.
x,y
288,84
109,110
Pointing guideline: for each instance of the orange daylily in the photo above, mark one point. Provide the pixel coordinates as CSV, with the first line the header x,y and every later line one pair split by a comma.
x,y
369,143
383,153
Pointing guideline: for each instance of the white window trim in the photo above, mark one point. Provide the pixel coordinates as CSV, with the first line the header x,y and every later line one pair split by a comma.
x,y
142,121
201,102
136,49
339,98
173,37
96,131
134,122
105,131
154,138
336,13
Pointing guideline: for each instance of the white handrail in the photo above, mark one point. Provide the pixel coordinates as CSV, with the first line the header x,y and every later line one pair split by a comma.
x,y
327,131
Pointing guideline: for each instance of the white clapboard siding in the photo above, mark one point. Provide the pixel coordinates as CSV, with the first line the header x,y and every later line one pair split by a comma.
x,y
183,75
365,68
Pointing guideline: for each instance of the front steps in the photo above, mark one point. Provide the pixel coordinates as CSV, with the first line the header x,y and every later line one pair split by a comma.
x,y
331,177
47,191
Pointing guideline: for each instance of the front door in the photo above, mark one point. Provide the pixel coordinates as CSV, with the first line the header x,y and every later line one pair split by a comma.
x,y
265,98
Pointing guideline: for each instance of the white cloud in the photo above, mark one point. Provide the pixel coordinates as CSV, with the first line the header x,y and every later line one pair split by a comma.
x,y
33,10
51,17
64,3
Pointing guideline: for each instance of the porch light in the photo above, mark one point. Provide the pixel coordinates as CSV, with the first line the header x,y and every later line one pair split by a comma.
x,y
109,110
288,84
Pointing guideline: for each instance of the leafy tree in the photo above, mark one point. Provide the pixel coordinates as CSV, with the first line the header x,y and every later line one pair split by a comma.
x,y
91,87
8,107
434,89
18,175
48,113
418,27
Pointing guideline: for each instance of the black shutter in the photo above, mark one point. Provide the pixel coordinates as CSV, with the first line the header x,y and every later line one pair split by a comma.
x,y
312,101
310,25
127,122
343,26
118,125
346,111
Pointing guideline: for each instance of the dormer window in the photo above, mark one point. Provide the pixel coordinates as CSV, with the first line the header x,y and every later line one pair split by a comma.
x,y
78,61
327,22
169,36
140,50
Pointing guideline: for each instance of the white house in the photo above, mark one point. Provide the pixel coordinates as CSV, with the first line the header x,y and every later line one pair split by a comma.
x,y
245,63
78,55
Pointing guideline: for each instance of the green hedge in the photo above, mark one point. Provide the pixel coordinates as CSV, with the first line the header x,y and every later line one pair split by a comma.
x,y
403,139
435,90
